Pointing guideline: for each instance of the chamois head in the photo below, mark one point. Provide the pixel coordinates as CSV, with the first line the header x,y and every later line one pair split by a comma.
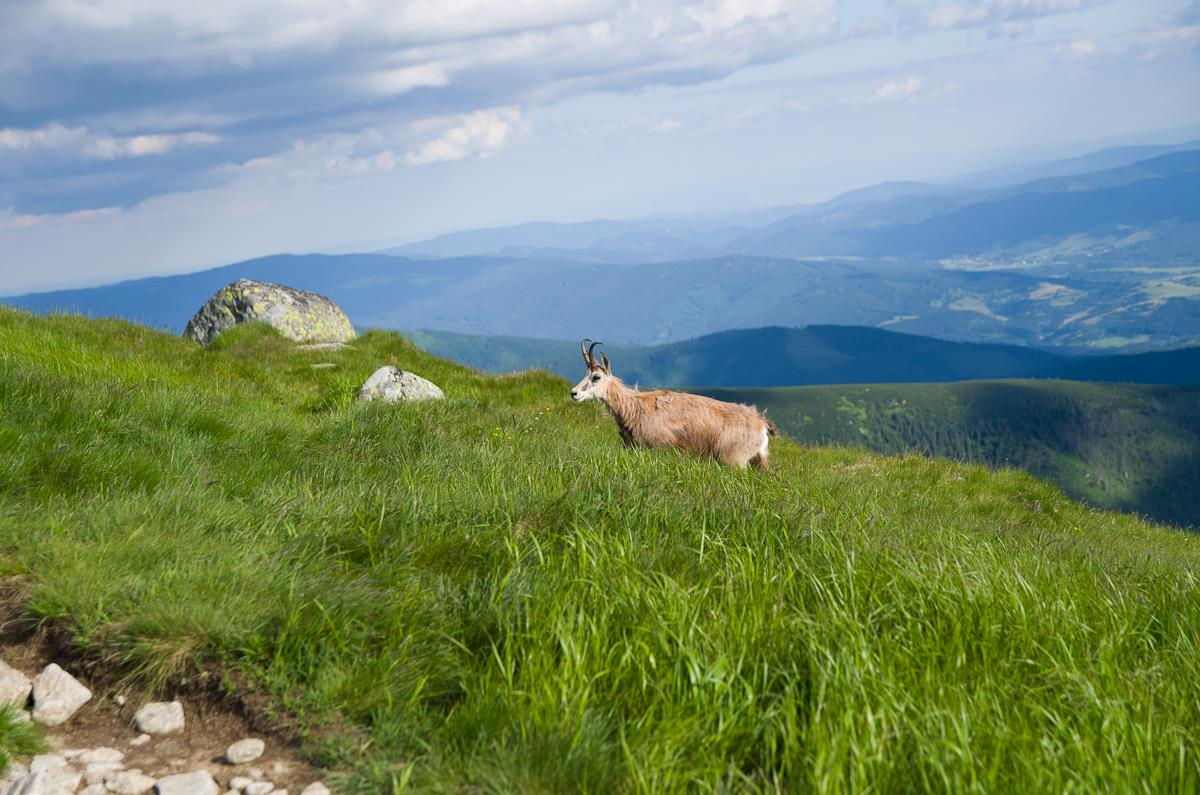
x,y
599,375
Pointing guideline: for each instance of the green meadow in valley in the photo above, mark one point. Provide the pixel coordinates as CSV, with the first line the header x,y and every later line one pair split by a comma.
x,y
491,594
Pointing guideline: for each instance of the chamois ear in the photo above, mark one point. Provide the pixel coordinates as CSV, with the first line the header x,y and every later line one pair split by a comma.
x,y
607,364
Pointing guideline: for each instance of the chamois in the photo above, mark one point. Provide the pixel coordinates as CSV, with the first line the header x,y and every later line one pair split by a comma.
x,y
734,434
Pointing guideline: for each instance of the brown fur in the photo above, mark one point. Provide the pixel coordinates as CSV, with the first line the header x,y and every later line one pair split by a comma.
x,y
733,434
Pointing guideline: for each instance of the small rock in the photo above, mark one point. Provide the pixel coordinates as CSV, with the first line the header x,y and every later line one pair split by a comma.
x,y
47,779
256,773
102,754
57,696
128,782
15,686
323,366
260,788
239,783
94,789
280,792
46,762
392,385
32,784
120,701
97,772
141,739
198,782
161,717
244,751
279,769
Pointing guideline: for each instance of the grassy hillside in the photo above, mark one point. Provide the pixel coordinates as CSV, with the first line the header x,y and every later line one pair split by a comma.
x,y
813,355
491,594
1130,447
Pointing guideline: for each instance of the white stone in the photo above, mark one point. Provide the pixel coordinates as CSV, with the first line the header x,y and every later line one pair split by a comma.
x,y
44,763
15,686
141,739
94,789
280,792
316,788
52,781
162,717
260,788
244,751
97,772
198,782
256,773
239,783
128,782
32,784
102,754
392,385
57,696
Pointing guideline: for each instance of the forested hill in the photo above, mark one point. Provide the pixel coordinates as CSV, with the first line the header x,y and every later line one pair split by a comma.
x,y
1131,447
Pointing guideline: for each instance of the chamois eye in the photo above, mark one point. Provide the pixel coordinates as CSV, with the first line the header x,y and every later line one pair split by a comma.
x,y
596,377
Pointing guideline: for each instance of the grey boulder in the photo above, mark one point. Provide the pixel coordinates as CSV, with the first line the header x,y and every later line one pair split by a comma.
x,y
392,385
296,314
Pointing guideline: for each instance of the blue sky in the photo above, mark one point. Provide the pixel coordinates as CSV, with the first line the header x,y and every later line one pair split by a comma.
x,y
141,137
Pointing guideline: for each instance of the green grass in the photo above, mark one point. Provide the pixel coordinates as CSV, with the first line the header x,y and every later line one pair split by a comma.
x,y
1131,447
491,594
19,737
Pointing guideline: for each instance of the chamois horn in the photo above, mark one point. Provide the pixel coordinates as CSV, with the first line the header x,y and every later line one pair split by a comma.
x,y
588,358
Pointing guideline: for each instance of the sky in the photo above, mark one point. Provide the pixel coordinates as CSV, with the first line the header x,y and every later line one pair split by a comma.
x,y
143,137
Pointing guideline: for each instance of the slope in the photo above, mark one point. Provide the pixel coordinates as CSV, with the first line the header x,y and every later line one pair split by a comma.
x,y
490,593
1129,447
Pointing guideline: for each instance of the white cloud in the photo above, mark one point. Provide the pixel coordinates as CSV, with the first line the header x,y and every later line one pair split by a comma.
x,y
1080,48
897,89
482,133
50,136
107,148
8,220
1009,18
666,126
400,81
104,147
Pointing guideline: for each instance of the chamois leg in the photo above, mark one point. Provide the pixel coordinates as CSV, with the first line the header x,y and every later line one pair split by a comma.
x,y
759,459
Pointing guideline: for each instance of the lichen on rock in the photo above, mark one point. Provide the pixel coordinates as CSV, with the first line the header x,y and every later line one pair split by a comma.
x,y
392,385
296,314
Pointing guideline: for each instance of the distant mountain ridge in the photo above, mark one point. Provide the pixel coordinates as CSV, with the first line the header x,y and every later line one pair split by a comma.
x,y
769,357
1098,261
